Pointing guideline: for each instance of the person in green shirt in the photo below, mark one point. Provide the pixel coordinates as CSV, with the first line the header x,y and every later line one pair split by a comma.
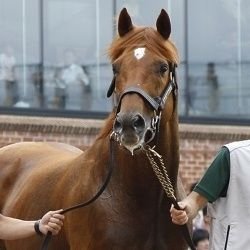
x,y
225,187
213,185
13,229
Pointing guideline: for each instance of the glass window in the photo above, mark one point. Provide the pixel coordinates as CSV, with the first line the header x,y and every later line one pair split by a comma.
x,y
53,54
76,69
18,51
218,59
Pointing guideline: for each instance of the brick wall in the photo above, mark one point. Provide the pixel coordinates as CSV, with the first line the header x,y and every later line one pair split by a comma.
x,y
77,132
198,143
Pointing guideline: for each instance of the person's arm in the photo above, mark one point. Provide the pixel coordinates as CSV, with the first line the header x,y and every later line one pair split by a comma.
x,y
190,205
13,229
213,185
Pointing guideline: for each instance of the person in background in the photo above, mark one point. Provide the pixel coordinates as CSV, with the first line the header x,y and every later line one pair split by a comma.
x,y
38,81
14,229
201,239
225,188
213,88
71,74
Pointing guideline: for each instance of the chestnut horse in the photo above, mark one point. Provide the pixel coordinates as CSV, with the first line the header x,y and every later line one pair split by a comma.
x,y
133,211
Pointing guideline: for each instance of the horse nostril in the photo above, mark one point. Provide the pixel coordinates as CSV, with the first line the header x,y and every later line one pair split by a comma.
x,y
138,122
117,125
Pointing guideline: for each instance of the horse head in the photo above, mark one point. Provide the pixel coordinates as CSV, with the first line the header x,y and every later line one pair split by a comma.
x,y
143,86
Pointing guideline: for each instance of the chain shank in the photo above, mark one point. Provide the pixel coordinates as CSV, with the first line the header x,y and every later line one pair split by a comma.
x,y
160,171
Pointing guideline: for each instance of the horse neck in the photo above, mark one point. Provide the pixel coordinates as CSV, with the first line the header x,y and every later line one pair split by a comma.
x,y
135,172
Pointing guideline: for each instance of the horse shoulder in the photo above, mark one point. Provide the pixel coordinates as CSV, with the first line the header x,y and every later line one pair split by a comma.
x,y
24,166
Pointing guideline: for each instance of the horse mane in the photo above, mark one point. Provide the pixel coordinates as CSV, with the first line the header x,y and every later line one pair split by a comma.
x,y
144,37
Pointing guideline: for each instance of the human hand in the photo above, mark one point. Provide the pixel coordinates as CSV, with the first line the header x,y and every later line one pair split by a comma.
x,y
52,221
190,207
179,217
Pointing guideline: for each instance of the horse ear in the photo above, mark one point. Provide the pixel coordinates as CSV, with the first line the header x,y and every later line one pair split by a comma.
x,y
163,24
124,23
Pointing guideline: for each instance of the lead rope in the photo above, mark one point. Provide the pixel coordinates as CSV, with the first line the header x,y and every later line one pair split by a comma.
x,y
162,175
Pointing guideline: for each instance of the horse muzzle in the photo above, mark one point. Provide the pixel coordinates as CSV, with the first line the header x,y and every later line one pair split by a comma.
x,y
133,131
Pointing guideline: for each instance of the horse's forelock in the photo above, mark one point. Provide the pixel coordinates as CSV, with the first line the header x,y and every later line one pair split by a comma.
x,y
144,37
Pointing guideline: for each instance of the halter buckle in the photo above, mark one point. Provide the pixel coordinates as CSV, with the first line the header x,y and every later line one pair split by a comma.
x,y
156,118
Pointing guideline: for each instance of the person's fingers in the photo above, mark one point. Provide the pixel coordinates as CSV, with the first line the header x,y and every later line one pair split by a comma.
x,y
46,217
52,221
175,212
181,205
56,211
180,221
178,216
56,221
58,216
54,228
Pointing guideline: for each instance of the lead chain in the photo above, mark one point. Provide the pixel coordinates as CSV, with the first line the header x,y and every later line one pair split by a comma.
x,y
161,173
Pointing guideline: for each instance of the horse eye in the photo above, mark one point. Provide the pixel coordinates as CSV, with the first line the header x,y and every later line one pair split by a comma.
x,y
163,68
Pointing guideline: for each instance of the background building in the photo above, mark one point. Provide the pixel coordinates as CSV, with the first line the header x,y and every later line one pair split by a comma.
x,y
212,38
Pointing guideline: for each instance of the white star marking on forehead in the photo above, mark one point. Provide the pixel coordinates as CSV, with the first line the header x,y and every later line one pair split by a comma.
x,y
139,53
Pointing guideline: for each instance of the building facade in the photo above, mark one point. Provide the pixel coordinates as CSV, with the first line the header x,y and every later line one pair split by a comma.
x,y
40,39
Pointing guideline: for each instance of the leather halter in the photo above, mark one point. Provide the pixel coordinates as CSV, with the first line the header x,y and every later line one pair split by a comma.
x,y
156,103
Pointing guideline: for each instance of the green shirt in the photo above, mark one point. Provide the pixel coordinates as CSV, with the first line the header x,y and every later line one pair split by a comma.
x,y
215,181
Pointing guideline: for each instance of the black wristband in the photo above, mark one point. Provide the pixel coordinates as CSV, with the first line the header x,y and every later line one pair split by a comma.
x,y
36,226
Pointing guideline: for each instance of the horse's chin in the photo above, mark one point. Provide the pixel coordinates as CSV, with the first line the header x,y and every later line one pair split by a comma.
x,y
134,148
136,143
